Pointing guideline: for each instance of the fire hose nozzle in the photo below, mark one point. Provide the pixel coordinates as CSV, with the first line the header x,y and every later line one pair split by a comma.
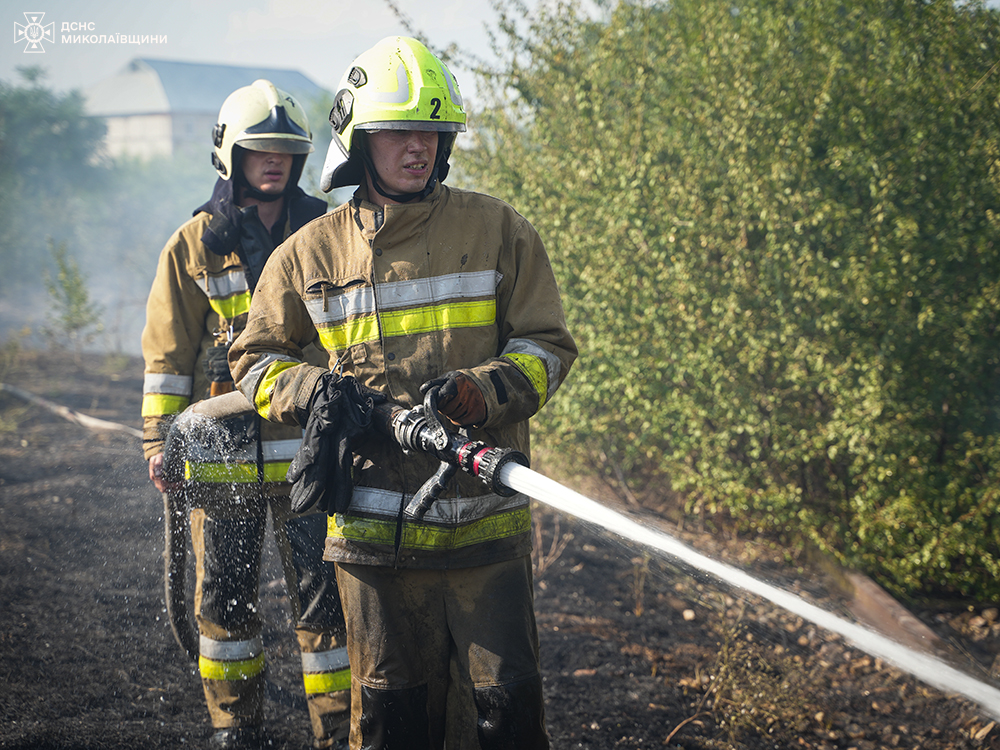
x,y
420,429
485,462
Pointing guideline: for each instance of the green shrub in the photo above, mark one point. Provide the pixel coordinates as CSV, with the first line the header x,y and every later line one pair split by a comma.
x,y
776,230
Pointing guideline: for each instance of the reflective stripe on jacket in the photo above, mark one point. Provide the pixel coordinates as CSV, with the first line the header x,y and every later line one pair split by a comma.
x,y
459,281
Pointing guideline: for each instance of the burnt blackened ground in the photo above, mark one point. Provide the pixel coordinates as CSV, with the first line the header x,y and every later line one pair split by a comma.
x,y
636,652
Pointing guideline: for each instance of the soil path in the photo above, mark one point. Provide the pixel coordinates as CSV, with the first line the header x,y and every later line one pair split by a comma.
x,y
636,652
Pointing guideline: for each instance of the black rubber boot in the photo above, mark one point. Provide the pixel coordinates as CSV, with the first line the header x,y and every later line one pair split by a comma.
x,y
511,717
394,719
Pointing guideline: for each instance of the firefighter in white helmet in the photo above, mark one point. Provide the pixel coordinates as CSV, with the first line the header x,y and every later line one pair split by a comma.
x,y
198,304
409,286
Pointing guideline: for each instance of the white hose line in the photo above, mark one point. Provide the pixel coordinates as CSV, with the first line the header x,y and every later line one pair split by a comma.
x,y
72,415
925,667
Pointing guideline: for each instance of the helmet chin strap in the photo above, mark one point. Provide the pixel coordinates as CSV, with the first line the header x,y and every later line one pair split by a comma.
x,y
438,173
403,197
249,191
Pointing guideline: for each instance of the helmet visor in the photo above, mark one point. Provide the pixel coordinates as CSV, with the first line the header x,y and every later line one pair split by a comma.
x,y
275,144
278,133
441,127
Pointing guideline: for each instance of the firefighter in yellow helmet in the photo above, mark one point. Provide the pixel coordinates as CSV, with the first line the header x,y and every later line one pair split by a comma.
x,y
411,285
198,304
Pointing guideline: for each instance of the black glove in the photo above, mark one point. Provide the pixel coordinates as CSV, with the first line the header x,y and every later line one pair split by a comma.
x,y
459,398
340,412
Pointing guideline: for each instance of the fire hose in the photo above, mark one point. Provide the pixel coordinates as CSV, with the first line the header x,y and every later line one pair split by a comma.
x,y
503,472
417,429
506,472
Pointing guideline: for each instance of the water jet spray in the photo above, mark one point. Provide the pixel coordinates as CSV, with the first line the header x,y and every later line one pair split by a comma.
x,y
506,472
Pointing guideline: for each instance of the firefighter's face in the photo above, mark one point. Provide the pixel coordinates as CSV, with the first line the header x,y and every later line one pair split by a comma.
x,y
266,171
403,159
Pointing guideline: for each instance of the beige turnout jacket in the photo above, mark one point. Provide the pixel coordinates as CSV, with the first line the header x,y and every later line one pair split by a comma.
x,y
458,281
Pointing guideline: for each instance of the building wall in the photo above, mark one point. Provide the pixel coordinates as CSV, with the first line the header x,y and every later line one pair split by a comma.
x,y
193,132
161,108
140,136
149,136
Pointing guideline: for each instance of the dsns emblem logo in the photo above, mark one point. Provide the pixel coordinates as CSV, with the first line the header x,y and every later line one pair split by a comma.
x,y
34,33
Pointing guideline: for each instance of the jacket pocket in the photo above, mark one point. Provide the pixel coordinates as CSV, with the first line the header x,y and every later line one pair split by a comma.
x,y
343,312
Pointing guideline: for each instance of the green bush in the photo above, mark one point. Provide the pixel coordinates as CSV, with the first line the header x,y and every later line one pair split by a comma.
x,y
777,230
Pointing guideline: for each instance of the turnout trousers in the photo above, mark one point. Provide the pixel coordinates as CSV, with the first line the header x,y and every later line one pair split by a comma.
x,y
228,540
443,658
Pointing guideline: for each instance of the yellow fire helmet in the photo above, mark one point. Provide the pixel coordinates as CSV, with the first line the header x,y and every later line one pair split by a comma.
x,y
260,117
398,84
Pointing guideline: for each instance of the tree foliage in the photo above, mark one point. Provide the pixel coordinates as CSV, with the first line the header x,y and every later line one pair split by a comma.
x,y
47,137
47,152
777,230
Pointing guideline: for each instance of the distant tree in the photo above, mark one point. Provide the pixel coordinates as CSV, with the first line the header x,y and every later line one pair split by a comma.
x,y
777,230
47,137
48,156
56,184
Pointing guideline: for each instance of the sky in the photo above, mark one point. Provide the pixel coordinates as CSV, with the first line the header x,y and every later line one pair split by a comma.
x,y
316,38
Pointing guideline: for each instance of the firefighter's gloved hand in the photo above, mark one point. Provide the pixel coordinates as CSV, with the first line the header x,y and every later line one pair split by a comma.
x,y
340,412
459,398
